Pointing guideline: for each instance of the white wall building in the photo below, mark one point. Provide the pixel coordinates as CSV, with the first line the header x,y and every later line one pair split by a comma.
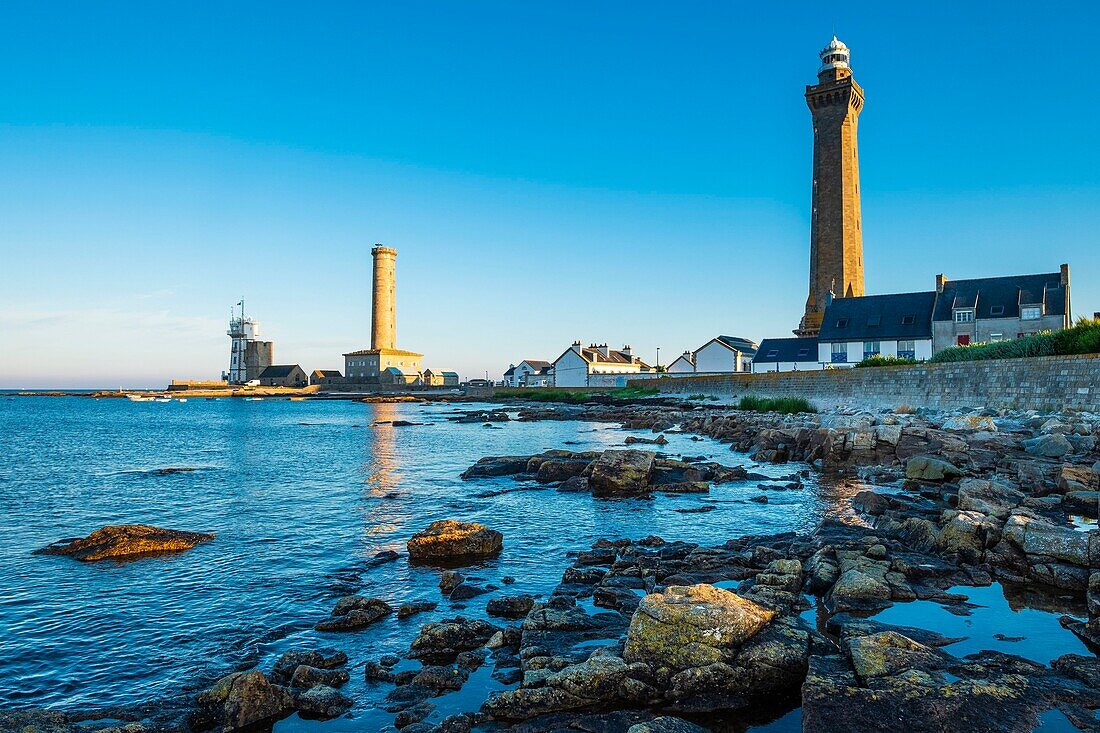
x,y
530,373
854,329
683,364
593,365
786,355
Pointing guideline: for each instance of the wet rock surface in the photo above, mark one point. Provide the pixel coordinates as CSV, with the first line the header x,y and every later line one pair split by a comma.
x,y
451,540
126,541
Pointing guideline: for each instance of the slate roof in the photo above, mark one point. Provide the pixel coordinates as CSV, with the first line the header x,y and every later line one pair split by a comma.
x,y
595,356
1001,297
388,352
875,317
327,373
792,349
536,364
278,371
511,371
748,347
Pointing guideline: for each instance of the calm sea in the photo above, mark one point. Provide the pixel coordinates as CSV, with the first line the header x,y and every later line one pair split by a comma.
x,y
301,496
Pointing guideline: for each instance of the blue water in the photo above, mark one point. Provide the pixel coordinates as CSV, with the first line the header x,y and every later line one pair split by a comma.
x,y
300,495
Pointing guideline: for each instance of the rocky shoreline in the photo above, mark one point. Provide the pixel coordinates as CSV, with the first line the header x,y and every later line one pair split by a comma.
x,y
648,635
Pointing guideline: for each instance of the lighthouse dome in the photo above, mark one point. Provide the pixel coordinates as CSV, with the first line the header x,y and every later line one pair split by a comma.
x,y
835,56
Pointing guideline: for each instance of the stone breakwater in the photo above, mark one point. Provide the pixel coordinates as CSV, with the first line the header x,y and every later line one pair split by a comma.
x,y
649,635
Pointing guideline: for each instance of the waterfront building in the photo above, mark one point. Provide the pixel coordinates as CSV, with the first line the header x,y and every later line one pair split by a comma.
x,y
836,237
283,375
597,366
999,308
366,366
682,364
326,376
786,355
248,355
401,377
530,373
854,329
440,378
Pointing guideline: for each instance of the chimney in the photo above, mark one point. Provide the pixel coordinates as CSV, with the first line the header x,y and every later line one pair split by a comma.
x,y
941,280
605,350
627,352
576,347
1096,316
1065,275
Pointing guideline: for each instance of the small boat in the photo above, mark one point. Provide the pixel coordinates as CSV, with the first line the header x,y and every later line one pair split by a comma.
x,y
253,399
181,399
162,399
139,398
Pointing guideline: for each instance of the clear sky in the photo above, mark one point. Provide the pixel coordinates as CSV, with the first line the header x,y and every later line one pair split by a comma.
x,y
630,172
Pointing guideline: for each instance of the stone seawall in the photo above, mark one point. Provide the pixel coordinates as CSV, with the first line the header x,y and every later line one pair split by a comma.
x,y
1043,383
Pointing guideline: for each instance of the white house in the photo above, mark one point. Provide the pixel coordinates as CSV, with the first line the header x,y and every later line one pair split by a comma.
x,y
684,364
899,324
725,354
530,373
786,355
597,366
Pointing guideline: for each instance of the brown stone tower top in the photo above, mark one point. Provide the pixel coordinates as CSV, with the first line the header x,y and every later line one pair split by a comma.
x,y
383,333
836,237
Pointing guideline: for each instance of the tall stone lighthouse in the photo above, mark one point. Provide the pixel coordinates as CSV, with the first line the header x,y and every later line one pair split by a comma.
x,y
383,363
836,237
383,333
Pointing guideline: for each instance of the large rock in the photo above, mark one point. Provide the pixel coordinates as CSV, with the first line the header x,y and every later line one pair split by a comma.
x,y
1053,445
496,466
928,468
988,497
599,681
355,612
240,700
126,541
449,539
692,626
322,703
441,642
320,659
666,724
621,473
983,423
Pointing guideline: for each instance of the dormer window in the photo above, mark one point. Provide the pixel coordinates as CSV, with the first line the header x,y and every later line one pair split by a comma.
x,y
842,323
874,320
997,310
773,353
965,315
1031,312
908,320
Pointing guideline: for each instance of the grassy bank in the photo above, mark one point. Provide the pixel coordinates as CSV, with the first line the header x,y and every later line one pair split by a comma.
x,y
782,405
1083,338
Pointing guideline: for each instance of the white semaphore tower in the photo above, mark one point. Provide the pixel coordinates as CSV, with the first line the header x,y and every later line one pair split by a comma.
x,y
248,355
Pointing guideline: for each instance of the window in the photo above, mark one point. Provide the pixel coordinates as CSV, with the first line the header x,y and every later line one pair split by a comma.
x,y
803,352
870,348
908,320
1031,312
964,316
907,349
874,320
842,323
994,337
773,353
840,353
997,310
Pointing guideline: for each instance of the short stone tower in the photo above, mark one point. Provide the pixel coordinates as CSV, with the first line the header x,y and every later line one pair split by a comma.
x,y
836,237
383,334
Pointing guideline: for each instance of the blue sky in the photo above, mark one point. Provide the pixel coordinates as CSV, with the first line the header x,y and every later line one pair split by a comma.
x,y
628,172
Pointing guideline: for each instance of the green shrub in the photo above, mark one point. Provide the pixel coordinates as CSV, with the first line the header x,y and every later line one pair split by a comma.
x,y
882,361
577,398
1083,338
784,405
699,396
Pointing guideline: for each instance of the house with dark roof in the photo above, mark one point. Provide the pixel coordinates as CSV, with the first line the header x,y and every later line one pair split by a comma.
x,y
786,355
999,308
724,354
597,366
440,378
899,324
283,375
326,376
530,373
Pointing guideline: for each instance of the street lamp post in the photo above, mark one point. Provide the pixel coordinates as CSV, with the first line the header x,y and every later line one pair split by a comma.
x,y
658,365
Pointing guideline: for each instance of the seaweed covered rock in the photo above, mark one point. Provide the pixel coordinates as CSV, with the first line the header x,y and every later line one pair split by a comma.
x,y
621,473
126,541
449,539
238,701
